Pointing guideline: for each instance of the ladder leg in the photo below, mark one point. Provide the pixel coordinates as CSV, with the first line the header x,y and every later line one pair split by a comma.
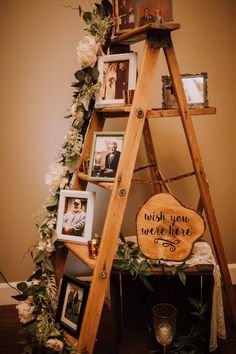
x,y
200,175
118,201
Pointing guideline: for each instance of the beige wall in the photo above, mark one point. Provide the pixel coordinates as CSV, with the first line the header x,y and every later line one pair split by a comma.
x,y
38,40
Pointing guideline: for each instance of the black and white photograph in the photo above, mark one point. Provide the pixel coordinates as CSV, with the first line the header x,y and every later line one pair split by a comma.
x,y
75,216
118,75
71,304
105,156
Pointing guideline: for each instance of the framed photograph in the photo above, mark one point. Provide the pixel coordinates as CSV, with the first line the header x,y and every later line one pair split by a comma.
x,y
71,304
117,73
105,155
195,87
75,216
130,14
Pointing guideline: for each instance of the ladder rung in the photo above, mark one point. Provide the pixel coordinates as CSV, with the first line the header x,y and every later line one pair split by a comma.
x,y
81,251
145,181
84,177
123,111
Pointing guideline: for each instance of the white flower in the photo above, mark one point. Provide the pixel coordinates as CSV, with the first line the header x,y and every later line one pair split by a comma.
x,y
25,310
46,245
55,178
87,51
54,344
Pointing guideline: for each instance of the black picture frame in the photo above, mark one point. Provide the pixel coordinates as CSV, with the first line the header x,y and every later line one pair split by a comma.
x,y
71,304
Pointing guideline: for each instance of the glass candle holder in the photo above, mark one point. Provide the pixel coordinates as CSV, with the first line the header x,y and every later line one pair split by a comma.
x,y
164,322
93,246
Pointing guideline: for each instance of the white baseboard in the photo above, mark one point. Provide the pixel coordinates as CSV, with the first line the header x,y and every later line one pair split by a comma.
x,y
6,292
232,271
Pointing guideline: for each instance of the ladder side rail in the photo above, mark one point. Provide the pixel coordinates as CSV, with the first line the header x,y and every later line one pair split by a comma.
x,y
154,170
118,202
200,175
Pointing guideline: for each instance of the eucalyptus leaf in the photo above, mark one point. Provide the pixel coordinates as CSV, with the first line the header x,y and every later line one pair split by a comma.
x,y
40,256
48,265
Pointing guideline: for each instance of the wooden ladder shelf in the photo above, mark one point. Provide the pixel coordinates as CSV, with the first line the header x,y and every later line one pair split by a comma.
x,y
156,38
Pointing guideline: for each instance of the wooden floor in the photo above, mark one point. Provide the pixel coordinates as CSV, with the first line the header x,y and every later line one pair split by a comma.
x,y
12,341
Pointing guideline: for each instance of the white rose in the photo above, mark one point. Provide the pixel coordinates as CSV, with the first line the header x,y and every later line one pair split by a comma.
x,y
87,51
54,344
25,311
55,177
49,246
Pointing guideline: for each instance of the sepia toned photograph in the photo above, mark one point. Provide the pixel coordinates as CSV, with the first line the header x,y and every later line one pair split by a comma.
x,y
75,216
105,156
130,14
71,305
118,75
195,88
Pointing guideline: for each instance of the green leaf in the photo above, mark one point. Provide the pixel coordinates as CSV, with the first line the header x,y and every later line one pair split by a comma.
x,y
20,297
52,208
204,309
107,6
22,286
29,326
48,265
36,275
39,257
194,303
147,284
182,277
95,73
80,75
130,244
122,238
87,16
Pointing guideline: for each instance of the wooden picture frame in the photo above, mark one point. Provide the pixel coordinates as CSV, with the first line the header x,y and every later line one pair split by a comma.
x,y
117,73
105,155
77,228
195,87
71,304
129,14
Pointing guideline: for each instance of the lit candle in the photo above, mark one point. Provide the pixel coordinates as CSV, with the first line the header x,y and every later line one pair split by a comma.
x,y
164,334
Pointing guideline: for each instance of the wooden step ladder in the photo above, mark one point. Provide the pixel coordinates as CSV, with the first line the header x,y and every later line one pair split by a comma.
x,y
156,38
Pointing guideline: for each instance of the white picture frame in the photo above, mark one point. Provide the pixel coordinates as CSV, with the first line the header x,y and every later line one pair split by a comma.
x,y
78,229
117,72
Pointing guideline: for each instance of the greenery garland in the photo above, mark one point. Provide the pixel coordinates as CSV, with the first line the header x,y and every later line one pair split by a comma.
x,y
38,297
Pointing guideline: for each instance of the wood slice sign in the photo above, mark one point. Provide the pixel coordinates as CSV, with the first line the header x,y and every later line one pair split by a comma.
x,y
166,229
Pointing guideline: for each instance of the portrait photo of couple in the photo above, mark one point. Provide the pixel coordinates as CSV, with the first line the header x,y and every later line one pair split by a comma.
x,y
105,156
117,74
115,79
131,14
